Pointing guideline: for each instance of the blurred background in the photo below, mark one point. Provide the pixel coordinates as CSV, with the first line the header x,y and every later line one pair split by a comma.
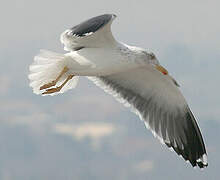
x,y
85,134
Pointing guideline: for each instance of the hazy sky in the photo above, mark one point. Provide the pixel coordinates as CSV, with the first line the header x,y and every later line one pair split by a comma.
x,y
84,133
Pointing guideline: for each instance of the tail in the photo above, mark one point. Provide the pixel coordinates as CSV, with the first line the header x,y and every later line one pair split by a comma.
x,y
46,67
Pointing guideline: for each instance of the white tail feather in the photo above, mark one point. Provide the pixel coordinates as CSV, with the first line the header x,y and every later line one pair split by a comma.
x,y
46,68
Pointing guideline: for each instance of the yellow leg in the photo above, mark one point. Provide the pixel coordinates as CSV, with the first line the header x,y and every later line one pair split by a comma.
x,y
57,89
53,83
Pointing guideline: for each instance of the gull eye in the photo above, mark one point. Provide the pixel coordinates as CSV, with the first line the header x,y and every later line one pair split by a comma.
x,y
152,56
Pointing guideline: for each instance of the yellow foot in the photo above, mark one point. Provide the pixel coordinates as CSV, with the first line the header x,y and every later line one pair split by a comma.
x,y
57,89
53,83
52,90
45,86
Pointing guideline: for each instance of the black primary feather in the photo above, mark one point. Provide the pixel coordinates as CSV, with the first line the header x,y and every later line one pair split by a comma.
x,y
92,25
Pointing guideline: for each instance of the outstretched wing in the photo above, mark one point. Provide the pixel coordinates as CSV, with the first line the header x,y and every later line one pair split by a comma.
x,y
159,103
95,32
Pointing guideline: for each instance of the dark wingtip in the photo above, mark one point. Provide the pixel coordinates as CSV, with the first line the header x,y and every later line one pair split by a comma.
x,y
190,143
195,150
201,165
198,153
92,25
202,161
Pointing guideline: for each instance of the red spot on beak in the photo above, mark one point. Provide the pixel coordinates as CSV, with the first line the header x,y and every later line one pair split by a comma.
x,y
165,72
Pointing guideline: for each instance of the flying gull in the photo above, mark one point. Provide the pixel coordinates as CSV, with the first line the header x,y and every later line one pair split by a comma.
x,y
131,74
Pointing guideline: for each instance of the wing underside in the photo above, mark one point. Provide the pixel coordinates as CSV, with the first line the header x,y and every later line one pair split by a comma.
x,y
159,103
